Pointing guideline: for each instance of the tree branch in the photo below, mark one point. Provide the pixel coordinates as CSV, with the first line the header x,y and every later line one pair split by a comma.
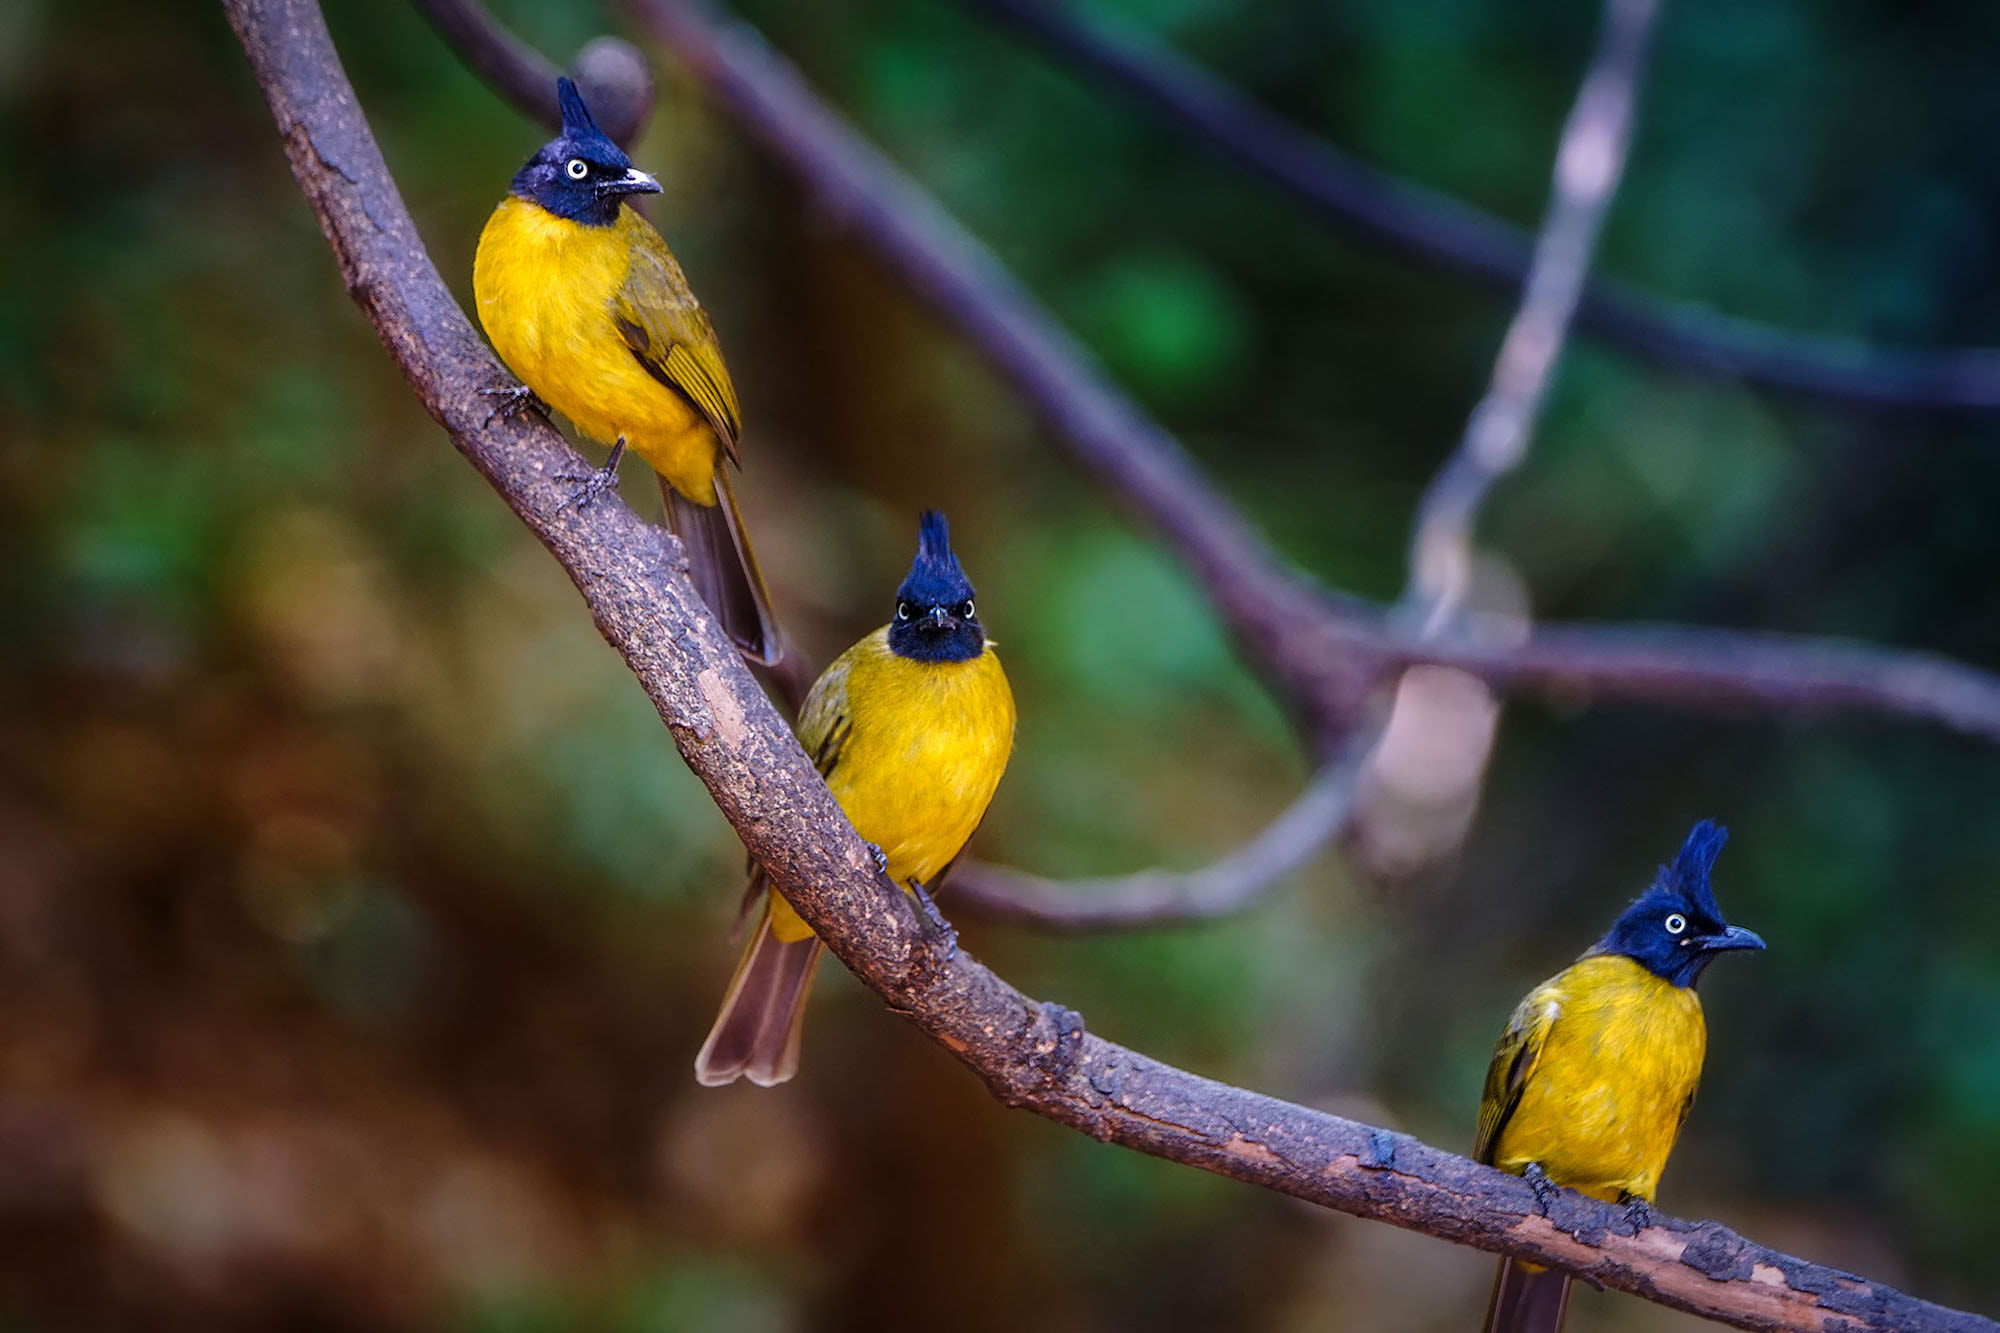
x,y
1435,228
633,578
1324,652
1154,898
1732,671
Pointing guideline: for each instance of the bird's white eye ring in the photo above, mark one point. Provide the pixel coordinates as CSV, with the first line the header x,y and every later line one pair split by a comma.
x,y
1676,923
577,168
966,610
902,610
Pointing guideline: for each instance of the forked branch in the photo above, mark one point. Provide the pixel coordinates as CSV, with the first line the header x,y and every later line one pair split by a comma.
x,y
1324,652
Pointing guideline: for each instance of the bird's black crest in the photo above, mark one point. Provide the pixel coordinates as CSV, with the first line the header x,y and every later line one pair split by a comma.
x,y
934,555
935,617
577,122
1688,875
1675,928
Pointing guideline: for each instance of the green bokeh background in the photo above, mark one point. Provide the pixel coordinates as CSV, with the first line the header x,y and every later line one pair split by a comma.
x,y
358,923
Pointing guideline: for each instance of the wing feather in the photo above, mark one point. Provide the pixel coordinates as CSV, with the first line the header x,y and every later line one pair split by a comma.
x,y
1514,1062
667,330
824,720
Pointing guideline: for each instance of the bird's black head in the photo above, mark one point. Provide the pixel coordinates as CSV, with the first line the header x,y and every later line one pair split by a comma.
x,y
580,174
934,613
1675,929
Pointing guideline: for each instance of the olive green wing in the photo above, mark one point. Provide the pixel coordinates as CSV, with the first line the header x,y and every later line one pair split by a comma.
x,y
1514,1062
669,333
823,728
825,721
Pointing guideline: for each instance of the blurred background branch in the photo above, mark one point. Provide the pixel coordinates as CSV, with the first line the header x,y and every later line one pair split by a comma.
x,y
1152,898
1589,161
1434,228
1031,1055
1325,651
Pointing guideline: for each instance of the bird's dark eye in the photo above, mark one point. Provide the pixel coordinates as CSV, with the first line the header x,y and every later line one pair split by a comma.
x,y
965,612
577,168
1675,923
902,610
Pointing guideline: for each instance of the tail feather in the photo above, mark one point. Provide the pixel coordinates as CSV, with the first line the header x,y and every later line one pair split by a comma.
x,y
756,1034
1527,1298
724,568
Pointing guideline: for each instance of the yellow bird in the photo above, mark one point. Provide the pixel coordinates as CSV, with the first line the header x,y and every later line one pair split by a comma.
x,y
1593,1079
584,301
912,728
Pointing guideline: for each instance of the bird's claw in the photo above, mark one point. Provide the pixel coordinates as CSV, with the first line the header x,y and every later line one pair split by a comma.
x,y
511,402
941,930
1545,1189
1638,1213
879,857
594,483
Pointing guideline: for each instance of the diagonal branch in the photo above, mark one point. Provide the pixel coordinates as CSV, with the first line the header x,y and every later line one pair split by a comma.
x,y
1033,1055
1435,228
1323,651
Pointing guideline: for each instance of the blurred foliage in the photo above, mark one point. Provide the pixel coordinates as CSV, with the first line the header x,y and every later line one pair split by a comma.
x,y
359,923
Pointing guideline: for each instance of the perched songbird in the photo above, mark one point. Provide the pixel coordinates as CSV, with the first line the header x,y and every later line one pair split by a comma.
x,y
1594,1076
912,728
584,302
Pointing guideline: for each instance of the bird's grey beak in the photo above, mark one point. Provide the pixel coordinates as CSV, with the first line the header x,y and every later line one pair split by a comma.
x,y
940,618
634,181
1732,937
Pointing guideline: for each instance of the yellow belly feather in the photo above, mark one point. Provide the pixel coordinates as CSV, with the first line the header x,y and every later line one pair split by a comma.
x,y
544,287
927,744
1616,1071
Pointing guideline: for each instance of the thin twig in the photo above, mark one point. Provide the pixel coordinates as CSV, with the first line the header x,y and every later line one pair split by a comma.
x,y
1435,228
1038,1056
1153,898
1590,161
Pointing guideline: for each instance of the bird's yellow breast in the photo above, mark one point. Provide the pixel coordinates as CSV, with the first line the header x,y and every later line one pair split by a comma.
x,y
1617,1069
545,288
917,750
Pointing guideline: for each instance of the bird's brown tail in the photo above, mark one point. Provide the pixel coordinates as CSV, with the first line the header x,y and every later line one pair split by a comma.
x,y
756,1036
724,568
1527,1299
